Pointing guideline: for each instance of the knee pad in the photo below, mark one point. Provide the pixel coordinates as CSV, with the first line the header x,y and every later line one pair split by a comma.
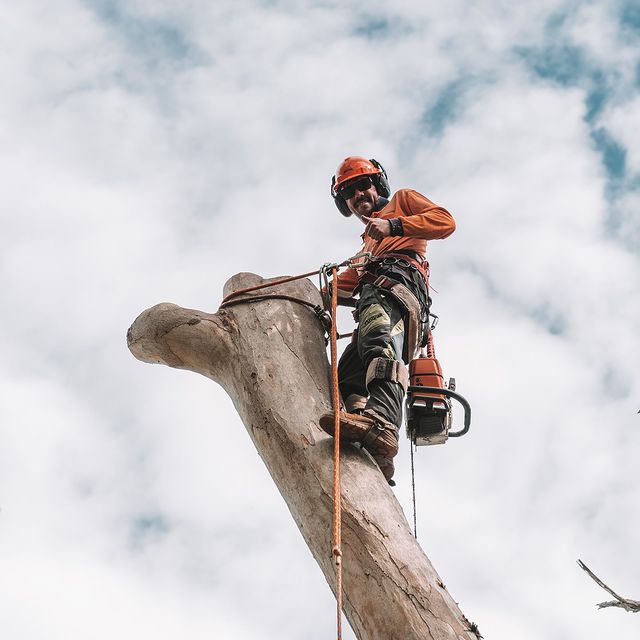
x,y
385,369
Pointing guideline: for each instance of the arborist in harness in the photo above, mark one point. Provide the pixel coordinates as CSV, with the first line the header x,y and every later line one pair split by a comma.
x,y
392,310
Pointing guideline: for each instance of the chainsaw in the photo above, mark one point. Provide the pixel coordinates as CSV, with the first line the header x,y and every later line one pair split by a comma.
x,y
429,407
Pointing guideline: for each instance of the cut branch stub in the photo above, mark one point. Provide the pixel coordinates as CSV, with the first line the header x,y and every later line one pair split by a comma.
x,y
270,357
183,339
627,604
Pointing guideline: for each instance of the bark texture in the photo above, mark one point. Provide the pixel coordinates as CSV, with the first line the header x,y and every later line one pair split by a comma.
x,y
270,358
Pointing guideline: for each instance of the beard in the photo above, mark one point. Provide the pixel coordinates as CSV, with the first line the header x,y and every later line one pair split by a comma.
x,y
364,206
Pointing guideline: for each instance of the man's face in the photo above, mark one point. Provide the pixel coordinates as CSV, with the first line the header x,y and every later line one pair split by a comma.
x,y
360,195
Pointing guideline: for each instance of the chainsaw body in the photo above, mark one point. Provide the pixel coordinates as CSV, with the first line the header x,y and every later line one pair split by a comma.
x,y
429,406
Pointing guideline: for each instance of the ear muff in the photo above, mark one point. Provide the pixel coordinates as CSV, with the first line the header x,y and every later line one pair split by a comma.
x,y
341,203
380,180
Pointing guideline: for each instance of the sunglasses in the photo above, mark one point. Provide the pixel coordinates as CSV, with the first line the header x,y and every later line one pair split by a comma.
x,y
349,189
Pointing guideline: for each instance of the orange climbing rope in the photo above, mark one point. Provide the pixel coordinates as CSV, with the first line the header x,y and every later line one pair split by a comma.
x,y
337,498
265,285
238,297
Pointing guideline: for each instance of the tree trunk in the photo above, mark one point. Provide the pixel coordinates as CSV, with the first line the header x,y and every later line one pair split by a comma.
x,y
270,358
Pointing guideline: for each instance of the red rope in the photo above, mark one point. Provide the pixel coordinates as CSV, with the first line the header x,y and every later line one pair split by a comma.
x,y
239,292
431,350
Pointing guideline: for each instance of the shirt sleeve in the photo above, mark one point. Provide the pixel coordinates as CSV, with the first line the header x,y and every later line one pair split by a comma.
x,y
424,219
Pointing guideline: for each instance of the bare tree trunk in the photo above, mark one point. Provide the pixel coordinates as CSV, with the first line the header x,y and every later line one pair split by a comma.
x,y
270,358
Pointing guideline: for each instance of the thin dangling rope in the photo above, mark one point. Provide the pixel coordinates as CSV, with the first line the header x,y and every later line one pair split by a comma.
x,y
337,503
413,487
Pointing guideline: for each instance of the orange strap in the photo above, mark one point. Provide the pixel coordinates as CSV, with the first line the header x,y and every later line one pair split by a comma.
x,y
337,506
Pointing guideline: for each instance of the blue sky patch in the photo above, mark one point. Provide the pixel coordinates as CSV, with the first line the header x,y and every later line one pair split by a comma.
x,y
151,39
567,66
444,108
614,155
148,523
376,27
561,63
373,27
543,315
630,16
146,528
597,95
554,322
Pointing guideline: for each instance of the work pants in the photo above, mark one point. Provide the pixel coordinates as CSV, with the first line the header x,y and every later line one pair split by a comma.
x,y
380,334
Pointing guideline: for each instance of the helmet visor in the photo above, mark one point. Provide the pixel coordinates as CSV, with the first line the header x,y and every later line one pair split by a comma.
x,y
348,190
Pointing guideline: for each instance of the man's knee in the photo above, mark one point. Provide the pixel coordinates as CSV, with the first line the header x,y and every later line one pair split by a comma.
x,y
373,322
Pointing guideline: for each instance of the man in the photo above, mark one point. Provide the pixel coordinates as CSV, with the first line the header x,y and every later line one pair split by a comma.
x,y
393,308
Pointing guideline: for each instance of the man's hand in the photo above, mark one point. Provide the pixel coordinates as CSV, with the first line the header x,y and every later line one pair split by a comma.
x,y
377,228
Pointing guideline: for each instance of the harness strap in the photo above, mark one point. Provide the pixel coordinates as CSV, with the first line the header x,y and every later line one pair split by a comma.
x,y
411,305
378,281
375,431
413,258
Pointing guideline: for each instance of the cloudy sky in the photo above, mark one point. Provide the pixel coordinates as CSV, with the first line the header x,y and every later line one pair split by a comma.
x,y
150,150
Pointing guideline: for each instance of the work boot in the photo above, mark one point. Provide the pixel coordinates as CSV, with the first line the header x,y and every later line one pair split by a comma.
x,y
382,438
355,403
377,436
353,426
382,443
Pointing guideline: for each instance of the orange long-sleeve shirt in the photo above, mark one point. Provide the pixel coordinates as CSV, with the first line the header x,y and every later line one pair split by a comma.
x,y
422,220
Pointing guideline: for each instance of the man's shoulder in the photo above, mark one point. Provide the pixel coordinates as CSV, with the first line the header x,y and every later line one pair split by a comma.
x,y
404,193
404,198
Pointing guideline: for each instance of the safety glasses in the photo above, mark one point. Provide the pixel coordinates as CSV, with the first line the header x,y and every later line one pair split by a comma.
x,y
349,189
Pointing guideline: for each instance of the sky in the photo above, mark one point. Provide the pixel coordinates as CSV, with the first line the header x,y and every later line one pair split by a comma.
x,y
150,150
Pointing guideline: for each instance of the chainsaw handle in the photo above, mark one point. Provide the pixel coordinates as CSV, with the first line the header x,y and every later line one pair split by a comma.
x,y
456,396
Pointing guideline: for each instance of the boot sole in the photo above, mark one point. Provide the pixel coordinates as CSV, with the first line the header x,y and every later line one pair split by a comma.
x,y
354,428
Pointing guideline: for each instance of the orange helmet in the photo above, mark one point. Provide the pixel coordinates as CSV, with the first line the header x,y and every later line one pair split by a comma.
x,y
355,166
